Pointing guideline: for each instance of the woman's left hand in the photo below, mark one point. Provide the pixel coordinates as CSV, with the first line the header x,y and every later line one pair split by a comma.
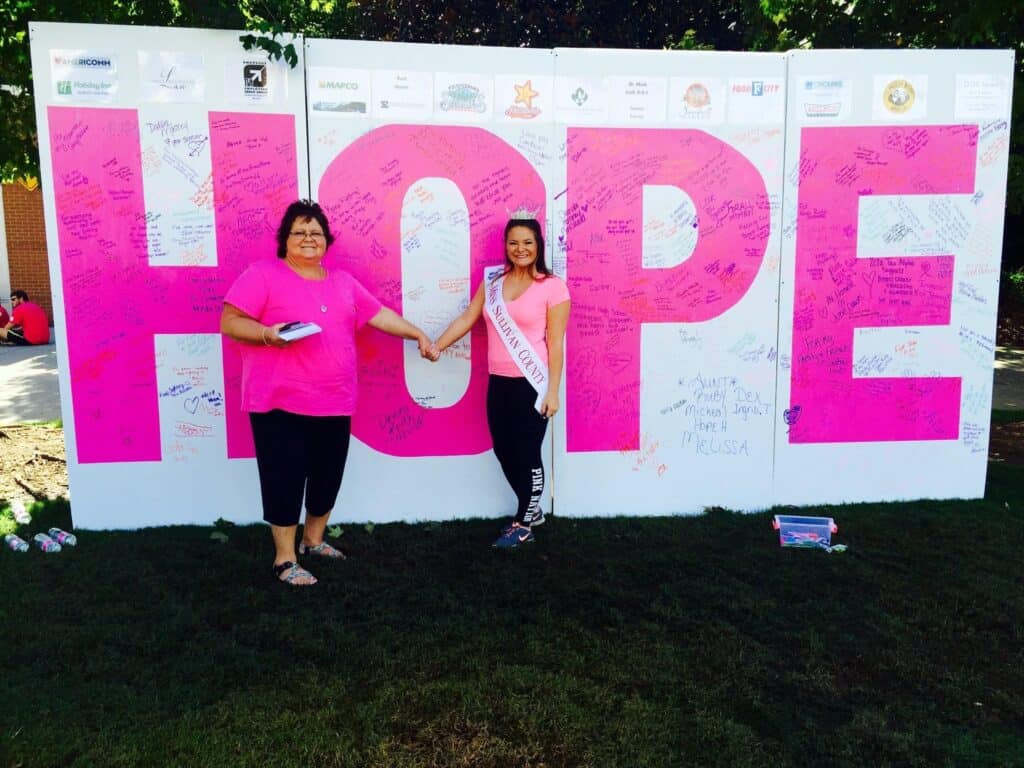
x,y
549,405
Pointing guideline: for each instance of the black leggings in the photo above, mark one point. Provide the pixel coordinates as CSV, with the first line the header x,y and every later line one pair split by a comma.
x,y
297,454
517,431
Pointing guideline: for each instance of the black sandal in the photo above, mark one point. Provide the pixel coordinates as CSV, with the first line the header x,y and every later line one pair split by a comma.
x,y
288,572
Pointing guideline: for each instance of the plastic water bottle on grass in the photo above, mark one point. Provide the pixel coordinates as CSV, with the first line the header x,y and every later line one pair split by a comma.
x,y
21,515
63,538
16,543
45,543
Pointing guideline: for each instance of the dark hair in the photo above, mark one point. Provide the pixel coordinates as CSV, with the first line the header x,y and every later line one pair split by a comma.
x,y
19,295
300,209
534,226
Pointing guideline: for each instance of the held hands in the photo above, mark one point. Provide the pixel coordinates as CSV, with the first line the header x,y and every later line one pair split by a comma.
x,y
429,350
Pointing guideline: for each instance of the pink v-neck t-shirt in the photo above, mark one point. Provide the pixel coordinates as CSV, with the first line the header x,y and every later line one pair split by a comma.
x,y
530,313
314,376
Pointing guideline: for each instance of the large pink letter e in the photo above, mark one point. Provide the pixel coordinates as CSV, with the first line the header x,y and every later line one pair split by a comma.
x,y
835,292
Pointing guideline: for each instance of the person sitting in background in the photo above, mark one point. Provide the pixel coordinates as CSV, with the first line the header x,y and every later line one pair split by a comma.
x,y
27,325
4,317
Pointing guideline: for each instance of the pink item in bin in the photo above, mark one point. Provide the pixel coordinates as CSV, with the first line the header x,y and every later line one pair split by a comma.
x,y
801,531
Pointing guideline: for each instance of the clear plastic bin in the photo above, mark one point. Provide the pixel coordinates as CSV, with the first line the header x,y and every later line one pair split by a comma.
x,y
800,531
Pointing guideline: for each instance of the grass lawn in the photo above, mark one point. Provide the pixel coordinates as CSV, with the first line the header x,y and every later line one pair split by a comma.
x,y
623,642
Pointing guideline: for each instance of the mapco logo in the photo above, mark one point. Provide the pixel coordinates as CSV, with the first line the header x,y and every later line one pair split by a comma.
x,y
254,77
522,107
337,85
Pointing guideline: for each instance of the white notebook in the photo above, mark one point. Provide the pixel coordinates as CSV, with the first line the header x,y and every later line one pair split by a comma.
x,y
295,331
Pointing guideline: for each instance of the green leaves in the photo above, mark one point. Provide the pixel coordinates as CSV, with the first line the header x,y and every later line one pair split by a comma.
x,y
274,50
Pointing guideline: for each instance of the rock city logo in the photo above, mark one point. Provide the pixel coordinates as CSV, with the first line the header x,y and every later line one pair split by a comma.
x,y
579,96
463,97
523,107
255,78
898,96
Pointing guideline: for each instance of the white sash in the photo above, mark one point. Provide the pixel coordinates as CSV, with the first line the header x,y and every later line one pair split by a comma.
x,y
519,348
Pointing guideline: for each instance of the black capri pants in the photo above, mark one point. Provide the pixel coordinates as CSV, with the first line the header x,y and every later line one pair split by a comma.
x,y
517,432
299,455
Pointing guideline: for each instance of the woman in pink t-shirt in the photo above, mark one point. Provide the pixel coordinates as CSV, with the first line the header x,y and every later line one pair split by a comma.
x,y
300,394
526,310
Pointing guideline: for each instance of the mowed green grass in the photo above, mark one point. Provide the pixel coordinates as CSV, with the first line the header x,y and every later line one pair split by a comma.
x,y
617,642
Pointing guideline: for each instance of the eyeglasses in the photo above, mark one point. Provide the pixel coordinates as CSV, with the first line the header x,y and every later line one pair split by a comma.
x,y
302,235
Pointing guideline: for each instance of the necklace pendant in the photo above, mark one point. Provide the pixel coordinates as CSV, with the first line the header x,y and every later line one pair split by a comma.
x,y
323,307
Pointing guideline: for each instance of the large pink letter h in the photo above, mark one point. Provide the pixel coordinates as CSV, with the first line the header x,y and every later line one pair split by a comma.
x,y
115,302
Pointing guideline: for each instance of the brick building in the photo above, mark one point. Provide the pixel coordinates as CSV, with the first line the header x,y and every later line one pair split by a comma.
x,y
25,266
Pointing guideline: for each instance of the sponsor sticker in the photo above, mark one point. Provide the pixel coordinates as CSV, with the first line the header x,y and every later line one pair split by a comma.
x,y
696,100
757,100
255,80
822,98
339,92
402,95
523,98
522,107
83,76
899,97
581,100
463,97
982,97
637,99
171,77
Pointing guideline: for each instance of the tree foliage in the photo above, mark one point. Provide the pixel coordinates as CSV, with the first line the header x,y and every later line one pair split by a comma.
x,y
761,25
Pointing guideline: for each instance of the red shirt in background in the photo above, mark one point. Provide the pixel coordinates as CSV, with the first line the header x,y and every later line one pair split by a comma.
x,y
4,318
33,322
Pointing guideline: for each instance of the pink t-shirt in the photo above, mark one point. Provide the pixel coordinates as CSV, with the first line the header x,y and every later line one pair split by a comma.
x,y
530,313
314,376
